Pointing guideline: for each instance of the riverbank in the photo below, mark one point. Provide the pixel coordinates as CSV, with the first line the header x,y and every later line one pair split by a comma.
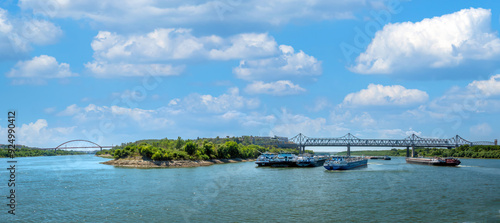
x,y
138,162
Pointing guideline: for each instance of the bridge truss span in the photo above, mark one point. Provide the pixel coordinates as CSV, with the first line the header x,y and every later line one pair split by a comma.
x,y
413,140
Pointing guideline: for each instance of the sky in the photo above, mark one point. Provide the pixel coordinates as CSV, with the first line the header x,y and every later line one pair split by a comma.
x,y
120,71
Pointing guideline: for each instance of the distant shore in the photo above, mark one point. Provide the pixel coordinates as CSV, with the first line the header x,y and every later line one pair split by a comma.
x,y
138,162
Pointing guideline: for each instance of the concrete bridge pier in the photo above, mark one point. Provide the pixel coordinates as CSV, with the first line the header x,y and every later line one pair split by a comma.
x,y
407,151
348,150
413,151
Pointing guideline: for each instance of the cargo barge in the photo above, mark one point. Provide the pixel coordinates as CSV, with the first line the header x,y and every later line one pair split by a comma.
x,y
310,161
265,159
379,157
284,160
434,161
345,163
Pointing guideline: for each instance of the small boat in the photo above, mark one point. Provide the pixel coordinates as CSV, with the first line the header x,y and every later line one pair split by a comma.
x,y
284,160
310,161
436,161
345,162
379,157
264,159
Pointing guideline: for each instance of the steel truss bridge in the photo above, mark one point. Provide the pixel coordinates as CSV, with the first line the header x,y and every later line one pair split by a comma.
x,y
301,141
90,145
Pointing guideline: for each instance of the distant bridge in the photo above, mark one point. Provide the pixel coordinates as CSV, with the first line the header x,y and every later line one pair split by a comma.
x,y
301,141
88,145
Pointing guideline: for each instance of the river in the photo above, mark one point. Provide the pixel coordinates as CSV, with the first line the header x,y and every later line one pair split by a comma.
x,y
79,189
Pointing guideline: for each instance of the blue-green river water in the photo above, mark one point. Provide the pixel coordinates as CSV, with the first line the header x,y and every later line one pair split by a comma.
x,y
79,189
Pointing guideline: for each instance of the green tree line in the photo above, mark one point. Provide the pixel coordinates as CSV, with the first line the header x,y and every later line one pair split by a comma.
x,y
26,152
464,151
200,149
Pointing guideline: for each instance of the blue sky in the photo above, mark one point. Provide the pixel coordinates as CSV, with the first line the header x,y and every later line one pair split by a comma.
x,y
119,71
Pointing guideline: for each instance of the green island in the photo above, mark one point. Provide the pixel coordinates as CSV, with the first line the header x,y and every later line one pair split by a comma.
x,y
25,151
187,153
464,151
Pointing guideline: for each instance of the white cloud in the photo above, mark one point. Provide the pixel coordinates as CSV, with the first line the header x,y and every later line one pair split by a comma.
x,y
138,14
17,36
155,52
292,124
229,101
379,95
481,130
247,120
487,87
280,88
287,64
246,45
364,120
40,67
39,134
118,116
108,70
447,41
70,110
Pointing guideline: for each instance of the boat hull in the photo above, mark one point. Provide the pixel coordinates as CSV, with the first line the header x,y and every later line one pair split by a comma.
x,y
347,166
310,163
283,163
433,162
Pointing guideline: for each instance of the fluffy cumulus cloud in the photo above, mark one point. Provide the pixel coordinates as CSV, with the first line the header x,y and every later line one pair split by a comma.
x,y
379,95
132,13
289,124
479,96
489,87
108,70
116,116
287,64
39,68
157,51
17,35
447,41
40,134
279,88
230,101
481,130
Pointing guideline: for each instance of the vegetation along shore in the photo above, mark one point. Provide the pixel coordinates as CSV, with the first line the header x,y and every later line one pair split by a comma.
x,y
186,153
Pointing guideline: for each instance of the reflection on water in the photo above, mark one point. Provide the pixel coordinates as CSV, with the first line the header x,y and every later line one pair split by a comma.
x,y
78,188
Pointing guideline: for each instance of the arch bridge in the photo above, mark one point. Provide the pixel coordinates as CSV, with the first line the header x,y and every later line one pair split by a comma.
x,y
87,145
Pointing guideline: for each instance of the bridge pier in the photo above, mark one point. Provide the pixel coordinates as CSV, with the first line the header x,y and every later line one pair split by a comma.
x,y
348,150
413,151
407,151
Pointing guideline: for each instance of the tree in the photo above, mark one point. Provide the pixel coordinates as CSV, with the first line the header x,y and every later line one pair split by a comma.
x,y
208,148
191,148
232,149
179,142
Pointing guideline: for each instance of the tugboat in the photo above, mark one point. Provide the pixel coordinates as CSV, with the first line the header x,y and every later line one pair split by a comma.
x,y
436,161
284,160
310,161
264,159
345,162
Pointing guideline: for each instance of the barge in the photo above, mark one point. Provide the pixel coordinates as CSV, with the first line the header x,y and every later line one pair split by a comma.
x,y
436,161
310,161
345,163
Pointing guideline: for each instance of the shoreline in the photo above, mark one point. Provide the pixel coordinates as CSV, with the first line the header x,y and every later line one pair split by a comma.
x,y
138,162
